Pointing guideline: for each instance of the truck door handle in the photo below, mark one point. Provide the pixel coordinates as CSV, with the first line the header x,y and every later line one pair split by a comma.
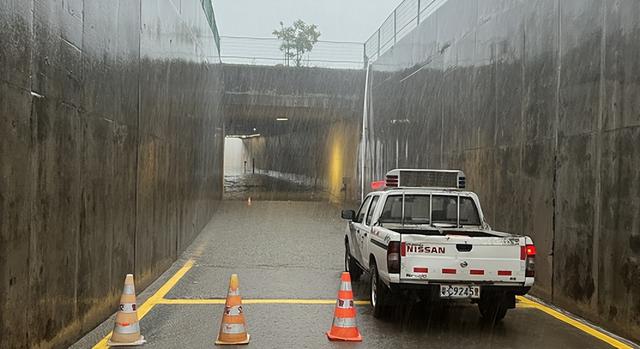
x,y
464,247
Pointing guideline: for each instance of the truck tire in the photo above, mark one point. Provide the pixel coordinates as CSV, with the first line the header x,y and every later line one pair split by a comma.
x,y
493,309
351,265
379,294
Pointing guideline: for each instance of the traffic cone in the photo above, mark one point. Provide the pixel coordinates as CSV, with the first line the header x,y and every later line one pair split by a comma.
x,y
126,330
233,329
344,326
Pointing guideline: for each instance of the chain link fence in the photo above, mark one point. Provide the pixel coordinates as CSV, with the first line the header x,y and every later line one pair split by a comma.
x,y
266,51
400,22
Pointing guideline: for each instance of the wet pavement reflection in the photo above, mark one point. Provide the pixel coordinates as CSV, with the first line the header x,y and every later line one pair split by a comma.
x,y
293,251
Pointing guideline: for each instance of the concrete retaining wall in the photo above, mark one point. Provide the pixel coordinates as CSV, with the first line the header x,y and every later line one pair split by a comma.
x,y
317,146
538,102
110,155
256,95
322,156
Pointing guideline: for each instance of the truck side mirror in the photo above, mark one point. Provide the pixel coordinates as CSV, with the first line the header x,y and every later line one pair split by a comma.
x,y
348,214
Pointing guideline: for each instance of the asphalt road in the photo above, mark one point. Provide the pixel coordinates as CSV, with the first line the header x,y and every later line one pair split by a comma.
x,y
286,251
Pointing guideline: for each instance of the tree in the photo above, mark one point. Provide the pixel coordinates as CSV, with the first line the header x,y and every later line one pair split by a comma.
x,y
297,40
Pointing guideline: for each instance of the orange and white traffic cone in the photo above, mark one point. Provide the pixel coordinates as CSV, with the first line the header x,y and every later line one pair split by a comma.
x,y
344,326
126,330
233,329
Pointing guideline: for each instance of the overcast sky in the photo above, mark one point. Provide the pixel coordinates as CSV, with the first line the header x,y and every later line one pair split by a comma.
x,y
338,20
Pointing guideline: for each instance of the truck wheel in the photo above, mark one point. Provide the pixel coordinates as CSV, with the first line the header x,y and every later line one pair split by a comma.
x,y
379,294
351,265
493,309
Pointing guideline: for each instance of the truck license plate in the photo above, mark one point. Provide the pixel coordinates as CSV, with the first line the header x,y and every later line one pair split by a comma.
x,y
459,291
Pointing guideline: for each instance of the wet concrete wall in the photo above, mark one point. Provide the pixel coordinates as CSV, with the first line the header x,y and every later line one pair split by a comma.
x,y
110,153
236,161
317,146
538,102
310,86
256,95
316,155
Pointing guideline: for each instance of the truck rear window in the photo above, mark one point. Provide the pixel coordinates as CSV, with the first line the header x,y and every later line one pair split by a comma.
x,y
417,210
445,210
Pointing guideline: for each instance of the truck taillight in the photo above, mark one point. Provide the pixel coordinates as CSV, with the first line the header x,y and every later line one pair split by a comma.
x,y
528,254
393,257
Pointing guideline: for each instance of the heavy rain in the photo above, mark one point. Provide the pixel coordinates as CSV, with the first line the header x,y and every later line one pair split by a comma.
x,y
320,174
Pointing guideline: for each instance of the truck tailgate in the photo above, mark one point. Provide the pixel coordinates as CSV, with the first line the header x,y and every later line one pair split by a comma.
x,y
461,258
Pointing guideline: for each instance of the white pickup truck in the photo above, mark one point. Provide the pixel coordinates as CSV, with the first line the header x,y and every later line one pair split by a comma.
x,y
421,232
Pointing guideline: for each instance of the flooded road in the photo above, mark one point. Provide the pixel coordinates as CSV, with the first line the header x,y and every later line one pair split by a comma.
x,y
264,187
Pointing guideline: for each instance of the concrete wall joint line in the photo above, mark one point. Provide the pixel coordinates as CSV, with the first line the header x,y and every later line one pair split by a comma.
x,y
598,163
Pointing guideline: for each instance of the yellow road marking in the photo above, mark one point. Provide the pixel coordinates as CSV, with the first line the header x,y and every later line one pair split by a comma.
x,y
520,305
205,301
577,324
158,298
256,301
153,300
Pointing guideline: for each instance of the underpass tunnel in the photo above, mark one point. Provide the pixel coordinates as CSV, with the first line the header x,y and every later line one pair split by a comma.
x,y
292,133
124,126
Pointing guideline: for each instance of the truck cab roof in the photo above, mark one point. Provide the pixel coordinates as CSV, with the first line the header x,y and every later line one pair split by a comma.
x,y
462,208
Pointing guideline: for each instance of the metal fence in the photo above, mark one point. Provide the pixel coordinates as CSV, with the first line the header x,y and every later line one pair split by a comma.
x,y
207,6
400,22
266,51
